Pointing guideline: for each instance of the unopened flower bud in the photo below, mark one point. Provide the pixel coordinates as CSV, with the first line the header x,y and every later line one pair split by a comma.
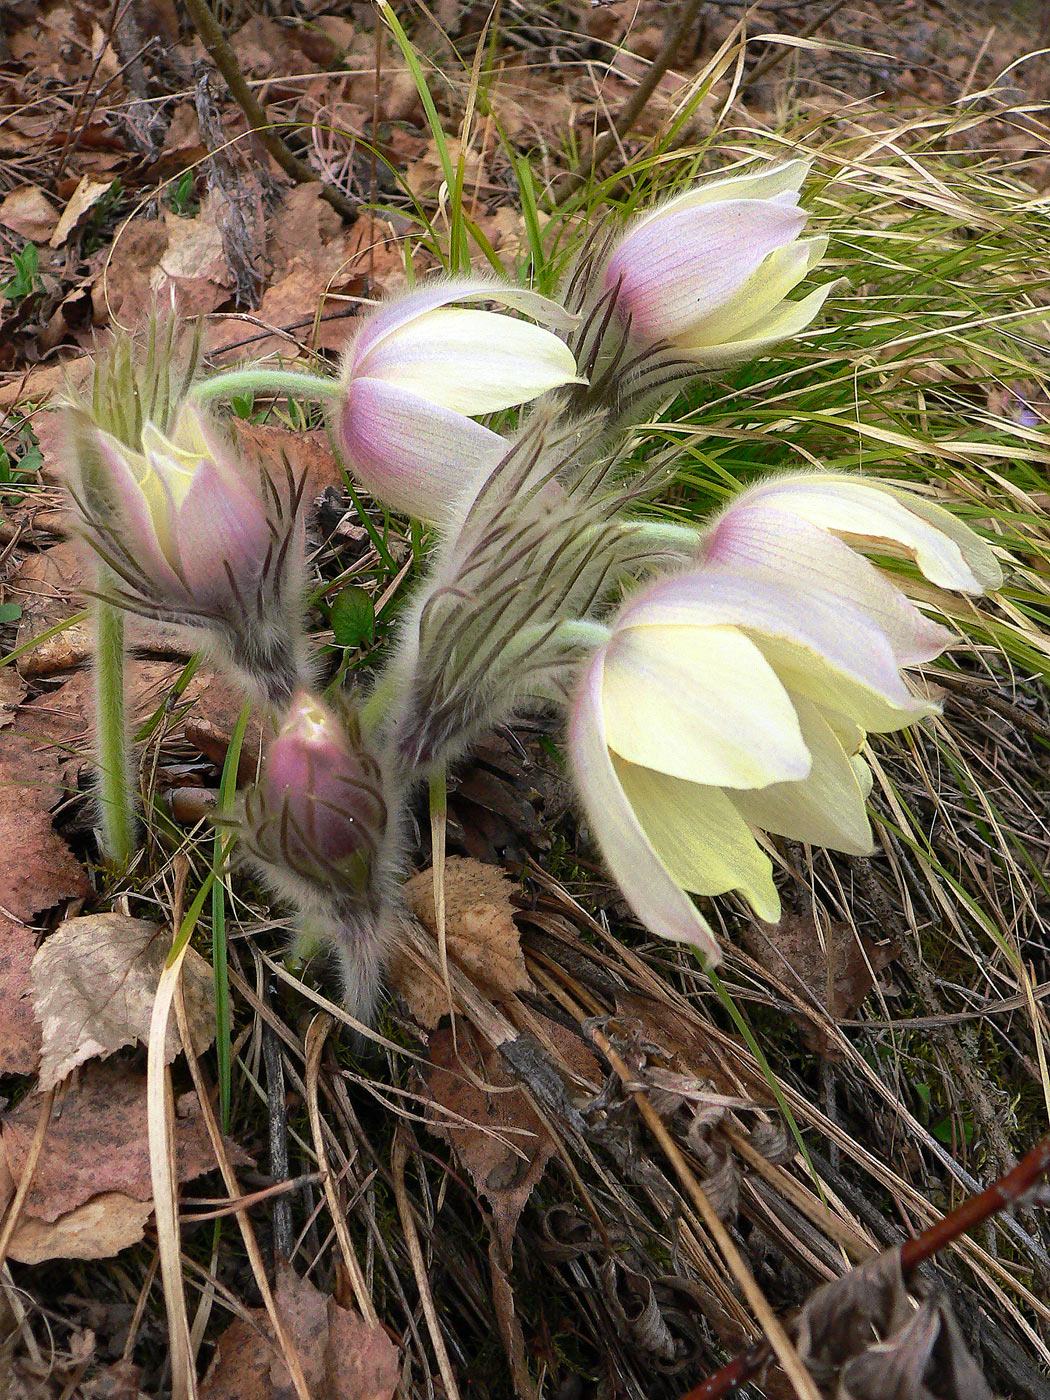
x,y
318,811
191,540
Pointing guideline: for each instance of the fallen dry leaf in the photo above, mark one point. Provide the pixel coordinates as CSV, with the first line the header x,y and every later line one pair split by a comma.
x,y
83,199
310,452
838,972
480,933
96,1142
497,1136
194,262
98,1229
40,383
342,1356
28,211
49,587
12,693
19,1028
94,983
38,868
122,292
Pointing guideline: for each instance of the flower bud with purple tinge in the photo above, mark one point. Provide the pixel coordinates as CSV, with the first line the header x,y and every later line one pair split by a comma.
x,y
319,809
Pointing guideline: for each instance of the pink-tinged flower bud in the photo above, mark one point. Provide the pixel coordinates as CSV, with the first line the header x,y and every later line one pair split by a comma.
x,y
318,812
193,541
709,271
735,698
419,369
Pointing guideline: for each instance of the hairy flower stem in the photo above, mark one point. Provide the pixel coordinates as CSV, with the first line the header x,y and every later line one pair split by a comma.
x,y
265,381
114,778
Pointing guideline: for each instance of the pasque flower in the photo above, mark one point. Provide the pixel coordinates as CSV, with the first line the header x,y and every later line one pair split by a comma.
x,y
709,271
735,696
193,541
416,372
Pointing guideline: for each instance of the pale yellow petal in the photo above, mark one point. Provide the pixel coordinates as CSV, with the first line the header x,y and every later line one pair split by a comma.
x,y
701,704
761,294
648,886
700,837
828,807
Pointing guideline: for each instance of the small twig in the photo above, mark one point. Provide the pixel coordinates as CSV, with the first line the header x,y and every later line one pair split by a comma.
x,y
283,1233
981,695
625,120
214,40
1001,1195
411,1232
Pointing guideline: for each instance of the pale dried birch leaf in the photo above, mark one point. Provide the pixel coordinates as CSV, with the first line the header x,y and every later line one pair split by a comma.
x,y
98,1229
94,983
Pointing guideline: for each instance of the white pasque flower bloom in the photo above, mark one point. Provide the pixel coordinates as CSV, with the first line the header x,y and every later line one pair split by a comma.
x,y
709,271
418,369
736,696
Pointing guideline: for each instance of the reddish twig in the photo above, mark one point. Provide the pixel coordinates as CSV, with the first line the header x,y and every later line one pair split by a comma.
x,y
1002,1194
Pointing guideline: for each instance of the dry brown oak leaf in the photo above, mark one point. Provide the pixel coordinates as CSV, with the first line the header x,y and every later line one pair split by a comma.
x,y
94,984
342,1356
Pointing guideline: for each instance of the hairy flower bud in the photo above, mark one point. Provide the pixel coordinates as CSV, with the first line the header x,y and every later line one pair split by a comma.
x,y
416,372
709,271
318,815
192,541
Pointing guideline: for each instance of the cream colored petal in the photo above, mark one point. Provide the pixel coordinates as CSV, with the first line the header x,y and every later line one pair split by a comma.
x,y
471,361
658,901
701,704
768,182
789,319
828,807
393,316
819,645
700,837
679,270
877,516
760,534
781,273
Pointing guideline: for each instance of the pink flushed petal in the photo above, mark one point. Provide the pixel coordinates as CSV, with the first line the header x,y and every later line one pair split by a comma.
x,y
681,268
771,607
139,534
764,538
221,523
390,317
660,903
411,454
